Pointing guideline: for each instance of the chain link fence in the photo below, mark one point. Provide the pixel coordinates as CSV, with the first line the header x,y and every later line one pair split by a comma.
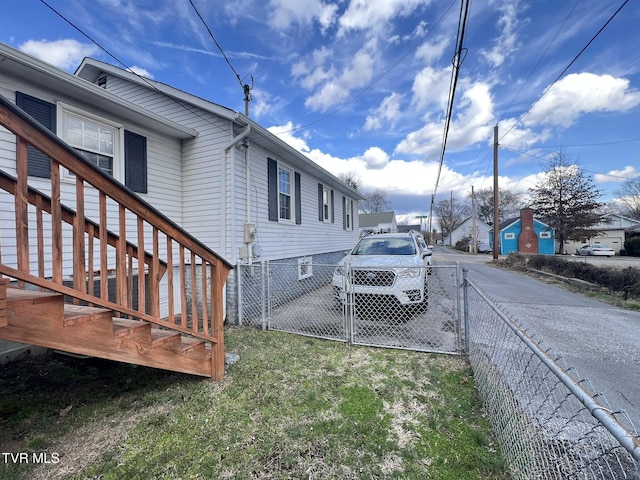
x,y
549,421
415,308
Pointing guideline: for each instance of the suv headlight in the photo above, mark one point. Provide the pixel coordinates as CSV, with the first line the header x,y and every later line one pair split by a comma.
x,y
339,270
410,273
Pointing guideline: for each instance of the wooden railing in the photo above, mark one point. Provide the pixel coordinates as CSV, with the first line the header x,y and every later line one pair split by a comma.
x,y
177,284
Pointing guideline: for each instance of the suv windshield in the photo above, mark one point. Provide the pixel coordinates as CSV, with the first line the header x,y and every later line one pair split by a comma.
x,y
385,246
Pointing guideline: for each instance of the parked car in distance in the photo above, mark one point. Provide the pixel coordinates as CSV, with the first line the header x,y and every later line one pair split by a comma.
x,y
595,250
484,248
384,270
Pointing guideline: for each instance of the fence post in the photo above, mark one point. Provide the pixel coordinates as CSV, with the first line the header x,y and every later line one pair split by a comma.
x,y
263,294
465,300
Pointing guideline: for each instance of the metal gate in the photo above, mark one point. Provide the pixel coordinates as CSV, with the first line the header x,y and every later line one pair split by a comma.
x,y
310,299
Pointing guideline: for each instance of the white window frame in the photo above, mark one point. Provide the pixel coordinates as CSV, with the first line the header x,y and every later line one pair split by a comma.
x,y
290,194
510,236
348,212
65,111
326,204
305,267
545,234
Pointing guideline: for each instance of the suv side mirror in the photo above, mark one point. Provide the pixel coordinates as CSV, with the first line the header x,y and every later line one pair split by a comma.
x,y
426,254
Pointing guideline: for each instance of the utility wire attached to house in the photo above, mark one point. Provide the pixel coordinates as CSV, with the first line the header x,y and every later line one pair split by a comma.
x,y
245,87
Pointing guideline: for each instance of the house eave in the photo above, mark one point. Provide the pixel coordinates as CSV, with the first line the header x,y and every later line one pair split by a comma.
x,y
21,66
90,69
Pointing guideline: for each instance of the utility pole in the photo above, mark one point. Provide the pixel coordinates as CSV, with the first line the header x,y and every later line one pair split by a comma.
x,y
247,98
474,232
451,222
496,196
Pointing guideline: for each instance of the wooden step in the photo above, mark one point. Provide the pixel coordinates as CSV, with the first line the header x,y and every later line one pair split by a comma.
x,y
34,305
41,318
78,314
123,327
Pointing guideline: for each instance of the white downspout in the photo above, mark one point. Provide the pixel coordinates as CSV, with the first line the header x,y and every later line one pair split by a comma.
x,y
232,171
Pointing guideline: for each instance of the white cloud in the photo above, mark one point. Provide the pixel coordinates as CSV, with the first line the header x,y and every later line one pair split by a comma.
x,y
428,52
373,15
507,43
386,113
141,71
619,176
285,13
471,125
581,93
337,86
375,158
431,88
65,54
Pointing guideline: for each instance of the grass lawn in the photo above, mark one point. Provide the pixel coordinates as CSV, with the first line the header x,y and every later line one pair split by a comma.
x,y
291,408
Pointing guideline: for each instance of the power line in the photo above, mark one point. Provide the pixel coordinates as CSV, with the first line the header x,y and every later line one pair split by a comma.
x,y
535,67
546,90
377,79
224,55
455,72
128,69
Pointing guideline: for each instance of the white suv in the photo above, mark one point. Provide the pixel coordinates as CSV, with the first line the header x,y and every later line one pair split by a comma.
x,y
389,269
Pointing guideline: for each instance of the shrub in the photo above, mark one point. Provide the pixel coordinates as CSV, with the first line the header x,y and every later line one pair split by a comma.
x,y
624,282
632,247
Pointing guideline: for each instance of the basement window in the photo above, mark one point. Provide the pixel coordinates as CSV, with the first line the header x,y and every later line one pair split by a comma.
x,y
305,267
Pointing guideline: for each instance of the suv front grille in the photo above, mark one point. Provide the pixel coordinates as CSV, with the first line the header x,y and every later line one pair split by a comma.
x,y
374,278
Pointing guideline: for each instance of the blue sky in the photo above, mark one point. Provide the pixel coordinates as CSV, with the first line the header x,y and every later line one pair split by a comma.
x,y
361,86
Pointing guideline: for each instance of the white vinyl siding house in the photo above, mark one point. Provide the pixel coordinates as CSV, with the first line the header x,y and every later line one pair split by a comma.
x,y
206,167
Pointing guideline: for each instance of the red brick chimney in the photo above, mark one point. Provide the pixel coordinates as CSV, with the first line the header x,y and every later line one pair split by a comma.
x,y
527,240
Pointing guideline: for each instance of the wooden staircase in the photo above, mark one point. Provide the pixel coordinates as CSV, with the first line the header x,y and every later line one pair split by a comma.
x,y
43,319
135,288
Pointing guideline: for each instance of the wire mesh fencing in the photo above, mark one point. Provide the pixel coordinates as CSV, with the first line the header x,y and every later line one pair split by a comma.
x,y
394,306
549,422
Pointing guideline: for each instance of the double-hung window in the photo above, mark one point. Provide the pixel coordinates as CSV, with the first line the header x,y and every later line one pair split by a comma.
x,y
118,152
284,193
326,204
95,141
348,214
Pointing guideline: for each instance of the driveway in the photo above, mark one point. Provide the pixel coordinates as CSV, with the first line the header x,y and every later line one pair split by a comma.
x,y
601,341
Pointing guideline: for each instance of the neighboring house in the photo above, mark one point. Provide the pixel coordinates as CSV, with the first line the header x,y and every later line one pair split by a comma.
x,y
610,233
409,228
525,235
226,180
378,222
465,231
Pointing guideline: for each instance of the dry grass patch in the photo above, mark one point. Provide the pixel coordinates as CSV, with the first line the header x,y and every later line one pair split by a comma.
x,y
291,407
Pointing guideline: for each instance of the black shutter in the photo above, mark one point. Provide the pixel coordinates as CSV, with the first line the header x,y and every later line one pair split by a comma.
x,y
272,173
39,165
333,210
344,212
135,162
320,202
298,194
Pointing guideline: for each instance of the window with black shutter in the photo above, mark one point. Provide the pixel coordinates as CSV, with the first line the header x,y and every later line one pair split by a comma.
x,y
39,165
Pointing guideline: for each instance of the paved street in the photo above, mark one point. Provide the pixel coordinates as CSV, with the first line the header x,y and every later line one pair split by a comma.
x,y
601,341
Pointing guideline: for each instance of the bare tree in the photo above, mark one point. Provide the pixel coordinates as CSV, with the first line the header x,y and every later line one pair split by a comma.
x,y
451,213
629,198
509,205
350,178
566,199
375,201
